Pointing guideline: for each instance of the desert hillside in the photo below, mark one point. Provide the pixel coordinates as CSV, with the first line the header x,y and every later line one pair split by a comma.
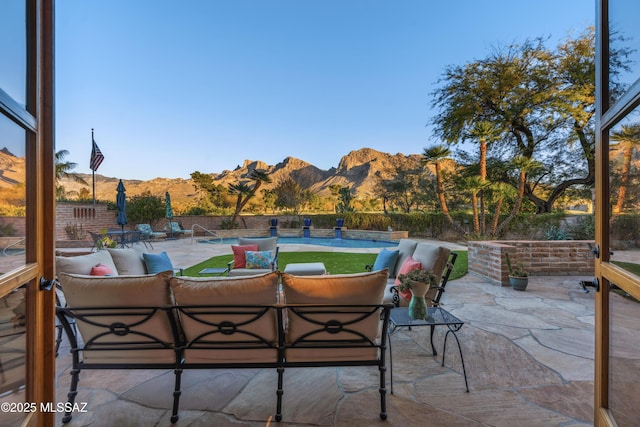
x,y
359,170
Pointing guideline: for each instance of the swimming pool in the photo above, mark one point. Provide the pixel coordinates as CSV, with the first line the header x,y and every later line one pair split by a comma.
x,y
320,241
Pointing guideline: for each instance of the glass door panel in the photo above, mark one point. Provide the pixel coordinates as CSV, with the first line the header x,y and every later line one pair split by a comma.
x,y
13,351
624,37
13,49
624,358
12,196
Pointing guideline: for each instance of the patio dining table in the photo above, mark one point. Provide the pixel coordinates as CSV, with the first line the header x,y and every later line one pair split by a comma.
x,y
124,237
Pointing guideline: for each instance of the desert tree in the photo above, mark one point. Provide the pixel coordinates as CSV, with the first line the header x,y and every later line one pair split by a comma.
x,y
290,195
244,191
541,103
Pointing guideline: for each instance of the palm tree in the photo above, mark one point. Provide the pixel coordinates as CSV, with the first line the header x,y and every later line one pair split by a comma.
x,y
475,185
485,133
502,190
436,154
627,137
63,170
244,192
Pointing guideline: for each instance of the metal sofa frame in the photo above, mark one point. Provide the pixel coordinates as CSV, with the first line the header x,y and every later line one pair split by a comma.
x,y
119,330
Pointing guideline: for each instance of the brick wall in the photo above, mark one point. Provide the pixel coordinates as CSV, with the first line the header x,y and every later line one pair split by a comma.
x,y
539,258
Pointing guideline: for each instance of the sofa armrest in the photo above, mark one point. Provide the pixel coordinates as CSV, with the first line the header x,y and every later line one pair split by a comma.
x,y
229,266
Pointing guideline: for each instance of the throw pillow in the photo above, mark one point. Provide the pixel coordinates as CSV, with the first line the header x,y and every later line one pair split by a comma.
x,y
258,259
386,259
129,262
408,265
157,263
101,270
239,258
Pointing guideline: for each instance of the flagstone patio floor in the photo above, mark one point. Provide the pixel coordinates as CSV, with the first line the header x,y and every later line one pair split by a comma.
x,y
528,356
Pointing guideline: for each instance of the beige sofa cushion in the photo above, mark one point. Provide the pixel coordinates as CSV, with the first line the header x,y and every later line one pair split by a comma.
x,y
128,261
123,291
405,249
355,289
432,257
82,264
227,291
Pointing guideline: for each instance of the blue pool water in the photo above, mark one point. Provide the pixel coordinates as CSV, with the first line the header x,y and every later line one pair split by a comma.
x,y
321,241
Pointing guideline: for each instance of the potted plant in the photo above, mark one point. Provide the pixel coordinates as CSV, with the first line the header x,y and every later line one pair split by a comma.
x,y
518,276
418,282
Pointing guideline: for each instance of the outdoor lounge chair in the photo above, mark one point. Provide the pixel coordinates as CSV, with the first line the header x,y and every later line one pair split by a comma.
x,y
147,234
257,244
175,229
439,259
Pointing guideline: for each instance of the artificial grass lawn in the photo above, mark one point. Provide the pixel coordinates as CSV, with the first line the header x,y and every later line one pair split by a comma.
x,y
334,262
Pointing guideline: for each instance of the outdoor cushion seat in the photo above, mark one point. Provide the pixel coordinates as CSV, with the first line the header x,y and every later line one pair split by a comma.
x,y
264,244
176,229
438,259
146,230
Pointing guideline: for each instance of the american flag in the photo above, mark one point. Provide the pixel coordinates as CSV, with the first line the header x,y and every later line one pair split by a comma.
x,y
96,156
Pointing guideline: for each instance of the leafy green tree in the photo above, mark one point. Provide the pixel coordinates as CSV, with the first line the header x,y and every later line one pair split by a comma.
x,y
145,209
541,104
346,198
290,195
216,194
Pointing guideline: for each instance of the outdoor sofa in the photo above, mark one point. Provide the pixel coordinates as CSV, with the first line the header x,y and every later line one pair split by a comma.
x,y
254,255
409,254
162,321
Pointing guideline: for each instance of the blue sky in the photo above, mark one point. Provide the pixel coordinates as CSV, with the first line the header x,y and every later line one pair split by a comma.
x,y
173,87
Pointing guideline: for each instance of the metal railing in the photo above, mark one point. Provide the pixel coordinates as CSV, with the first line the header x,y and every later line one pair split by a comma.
x,y
212,233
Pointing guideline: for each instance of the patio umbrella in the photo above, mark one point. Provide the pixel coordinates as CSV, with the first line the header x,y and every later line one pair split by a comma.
x,y
168,211
121,204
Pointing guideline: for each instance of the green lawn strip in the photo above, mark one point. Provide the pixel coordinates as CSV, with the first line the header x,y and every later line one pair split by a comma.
x,y
629,266
334,262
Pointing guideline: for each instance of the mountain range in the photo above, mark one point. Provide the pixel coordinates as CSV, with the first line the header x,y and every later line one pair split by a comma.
x,y
359,170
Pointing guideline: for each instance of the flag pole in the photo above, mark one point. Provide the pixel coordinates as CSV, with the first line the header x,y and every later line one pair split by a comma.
x,y
93,175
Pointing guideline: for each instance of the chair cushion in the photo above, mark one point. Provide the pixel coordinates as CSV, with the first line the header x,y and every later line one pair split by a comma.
x,y
157,263
264,243
83,264
258,259
145,228
432,257
225,291
408,265
348,289
405,249
129,262
360,288
239,256
386,259
125,291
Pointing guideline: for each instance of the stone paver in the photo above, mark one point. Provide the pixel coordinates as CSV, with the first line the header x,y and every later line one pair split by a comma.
x,y
529,360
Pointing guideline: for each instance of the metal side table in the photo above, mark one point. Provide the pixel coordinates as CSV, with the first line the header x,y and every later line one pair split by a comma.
x,y
436,316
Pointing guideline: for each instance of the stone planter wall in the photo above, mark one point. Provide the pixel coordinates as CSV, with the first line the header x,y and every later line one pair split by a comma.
x,y
539,258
